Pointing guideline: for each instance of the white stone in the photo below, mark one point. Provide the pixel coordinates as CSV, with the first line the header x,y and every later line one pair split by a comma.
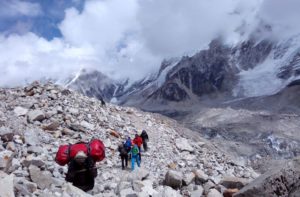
x,y
70,190
36,115
87,125
183,145
20,111
7,186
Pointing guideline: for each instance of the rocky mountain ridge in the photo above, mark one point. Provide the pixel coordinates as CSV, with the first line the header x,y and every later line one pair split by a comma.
x,y
36,119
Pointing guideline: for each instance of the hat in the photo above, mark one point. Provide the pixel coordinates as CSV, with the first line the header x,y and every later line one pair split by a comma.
x,y
80,156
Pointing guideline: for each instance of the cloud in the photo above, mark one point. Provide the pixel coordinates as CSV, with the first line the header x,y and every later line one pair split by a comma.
x,y
16,8
129,38
282,16
28,57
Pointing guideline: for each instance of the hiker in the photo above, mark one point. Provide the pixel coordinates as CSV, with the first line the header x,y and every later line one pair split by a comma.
x,y
145,138
82,171
124,155
128,144
134,156
138,141
102,101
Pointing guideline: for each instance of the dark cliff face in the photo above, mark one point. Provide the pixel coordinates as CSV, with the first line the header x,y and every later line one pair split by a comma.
x,y
250,53
206,72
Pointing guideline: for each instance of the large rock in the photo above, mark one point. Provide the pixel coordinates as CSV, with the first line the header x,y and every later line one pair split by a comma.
x,y
173,179
200,177
31,137
234,182
87,125
70,191
7,186
282,181
24,187
36,115
138,174
52,126
43,179
167,192
183,145
6,157
20,111
188,178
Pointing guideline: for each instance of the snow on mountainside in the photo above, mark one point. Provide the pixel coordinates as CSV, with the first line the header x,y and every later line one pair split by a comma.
x,y
221,72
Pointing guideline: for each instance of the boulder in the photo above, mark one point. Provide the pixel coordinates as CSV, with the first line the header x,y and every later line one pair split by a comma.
x,y
20,111
36,115
138,174
188,178
52,126
183,145
43,179
87,125
168,192
234,182
69,191
283,181
8,137
122,185
24,187
200,177
31,138
173,179
7,186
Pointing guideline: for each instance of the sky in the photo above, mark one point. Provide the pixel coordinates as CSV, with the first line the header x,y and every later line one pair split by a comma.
x,y
46,39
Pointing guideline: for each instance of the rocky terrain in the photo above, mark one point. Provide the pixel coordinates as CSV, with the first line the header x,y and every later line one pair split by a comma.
x,y
36,119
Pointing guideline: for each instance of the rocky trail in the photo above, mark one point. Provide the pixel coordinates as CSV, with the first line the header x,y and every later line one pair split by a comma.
x,y
36,119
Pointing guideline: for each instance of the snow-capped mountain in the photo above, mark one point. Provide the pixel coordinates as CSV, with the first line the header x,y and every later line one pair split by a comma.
x,y
219,73
93,83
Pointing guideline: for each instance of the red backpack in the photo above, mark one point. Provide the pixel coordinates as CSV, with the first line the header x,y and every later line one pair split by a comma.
x,y
95,149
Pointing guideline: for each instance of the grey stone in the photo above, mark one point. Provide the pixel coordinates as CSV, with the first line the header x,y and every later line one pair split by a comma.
x,y
7,186
138,174
31,137
70,191
122,185
8,137
52,126
87,125
36,115
281,181
234,182
188,178
20,111
183,145
43,179
25,187
128,193
173,179
200,177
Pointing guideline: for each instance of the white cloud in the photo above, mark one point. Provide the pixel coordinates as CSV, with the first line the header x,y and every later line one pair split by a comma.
x,y
15,8
283,16
129,38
